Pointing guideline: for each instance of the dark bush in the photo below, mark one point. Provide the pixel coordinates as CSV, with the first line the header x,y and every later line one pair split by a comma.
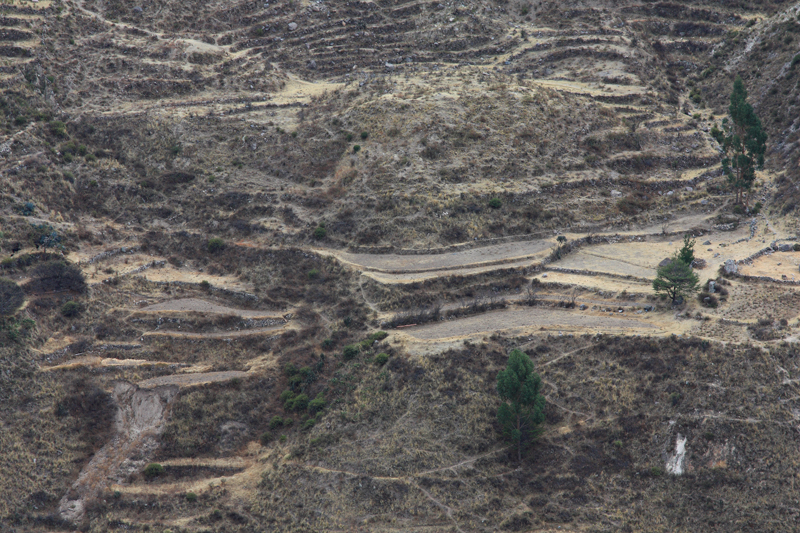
x,y
495,203
215,244
275,423
56,276
350,351
266,438
153,470
320,232
71,309
381,359
317,404
11,297
191,497
298,403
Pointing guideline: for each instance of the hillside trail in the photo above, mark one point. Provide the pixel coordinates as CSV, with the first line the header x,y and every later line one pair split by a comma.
x,y
492,254
214,335
203,306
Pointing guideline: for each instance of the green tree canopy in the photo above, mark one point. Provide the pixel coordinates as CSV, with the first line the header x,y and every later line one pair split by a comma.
x,y
676,279
743,141
522,411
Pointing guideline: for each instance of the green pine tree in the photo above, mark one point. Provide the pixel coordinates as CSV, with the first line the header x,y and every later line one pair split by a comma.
x,y
522,411
686,253
676,280
744,143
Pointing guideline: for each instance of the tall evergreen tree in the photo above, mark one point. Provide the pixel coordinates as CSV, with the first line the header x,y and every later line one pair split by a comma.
x,y
744,143
522,410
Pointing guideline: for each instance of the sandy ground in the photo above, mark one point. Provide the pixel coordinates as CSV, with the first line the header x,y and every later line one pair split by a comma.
x,y
529,319
203,306
395,263
595,282
185,380
390,278
94,362
775,265
217,335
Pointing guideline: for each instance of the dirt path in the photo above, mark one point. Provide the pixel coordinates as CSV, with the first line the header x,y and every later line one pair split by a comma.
x,y
526,318
96,362
396,263
218,335
203,306
187,380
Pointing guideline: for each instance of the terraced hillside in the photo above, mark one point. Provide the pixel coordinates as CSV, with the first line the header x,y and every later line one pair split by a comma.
x,y
282,249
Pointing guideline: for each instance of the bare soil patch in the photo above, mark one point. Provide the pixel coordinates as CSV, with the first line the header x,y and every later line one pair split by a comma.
x,y
187,380
512,319
203,306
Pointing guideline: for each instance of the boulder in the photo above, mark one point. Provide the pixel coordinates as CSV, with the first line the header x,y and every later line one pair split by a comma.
x,y
616,194
312,65
664,262
730,267
707,243
712,286
292,26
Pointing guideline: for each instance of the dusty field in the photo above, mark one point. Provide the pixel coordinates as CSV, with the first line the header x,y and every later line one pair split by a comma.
x,y
520,321
498,253
203,306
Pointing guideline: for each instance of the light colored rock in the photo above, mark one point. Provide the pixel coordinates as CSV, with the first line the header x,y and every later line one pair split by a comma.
x,y
292,26
616,194
730,267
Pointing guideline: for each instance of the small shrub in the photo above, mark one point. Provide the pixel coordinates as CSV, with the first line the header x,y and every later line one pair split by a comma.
x,y
58,128
71,309
349,137
350,351
275,423
738,209
215,244
356,148
381,359
286,395
11,297
282,438
320,232
327,344
175,149
317,404
378,336
153,470
618,443
796,247
756,208
495,203
205,285
82,150
298,403
91,158
656,471
364,135
191,497
675,398
308,424
27,209
313,273
215,515
266,438
287,423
